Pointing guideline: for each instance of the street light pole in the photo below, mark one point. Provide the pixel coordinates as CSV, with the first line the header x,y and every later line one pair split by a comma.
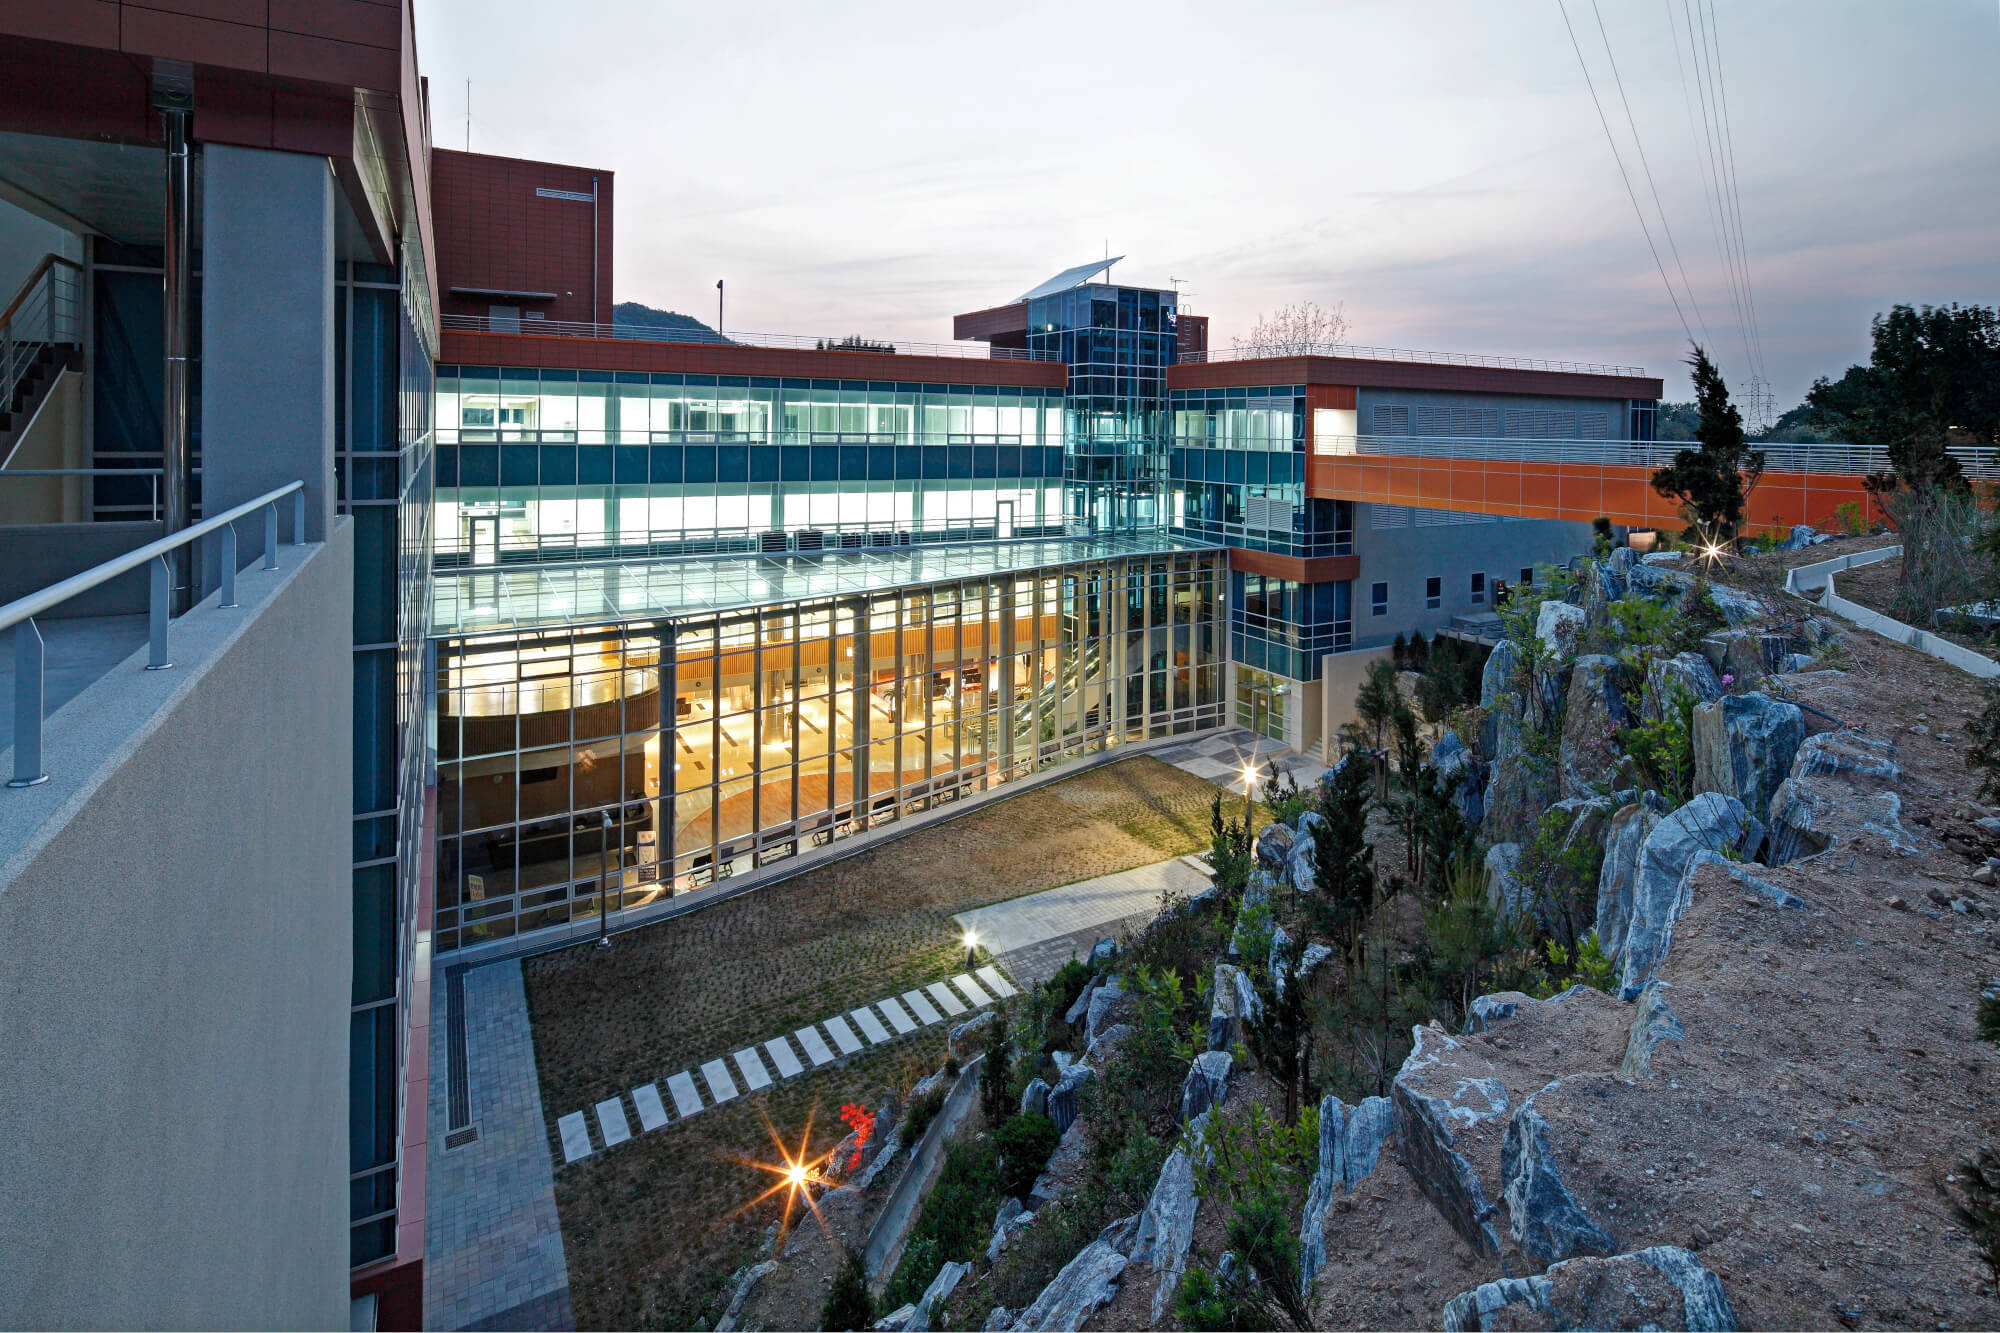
x,y
1249,780
603,880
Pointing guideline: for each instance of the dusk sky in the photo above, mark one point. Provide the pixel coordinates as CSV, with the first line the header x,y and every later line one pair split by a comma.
x,y
1436,168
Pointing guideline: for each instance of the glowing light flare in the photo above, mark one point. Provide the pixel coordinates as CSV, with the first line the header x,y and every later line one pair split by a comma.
x,y
797,1174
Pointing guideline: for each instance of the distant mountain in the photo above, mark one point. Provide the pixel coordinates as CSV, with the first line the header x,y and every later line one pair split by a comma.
x,y
666,325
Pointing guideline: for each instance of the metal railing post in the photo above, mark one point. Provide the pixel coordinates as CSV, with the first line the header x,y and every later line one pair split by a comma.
x,y
27,706
228,566
271,535
162,598
299,517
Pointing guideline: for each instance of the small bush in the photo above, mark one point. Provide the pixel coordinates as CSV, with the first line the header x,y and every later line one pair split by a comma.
x,y
1847,520
1200,1303
956,1220
1025,1143
848,1305
923,1109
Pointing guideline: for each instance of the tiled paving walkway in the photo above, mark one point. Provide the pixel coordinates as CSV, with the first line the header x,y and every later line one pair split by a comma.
x,y
1018,922
1218,757
492,1240
606,1125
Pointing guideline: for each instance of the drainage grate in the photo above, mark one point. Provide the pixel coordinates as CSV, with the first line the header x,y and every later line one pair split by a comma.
x,y
458,1087
458,1138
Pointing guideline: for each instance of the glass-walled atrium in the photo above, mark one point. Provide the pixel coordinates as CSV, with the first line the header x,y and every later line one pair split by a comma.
x,y
651,728
564,464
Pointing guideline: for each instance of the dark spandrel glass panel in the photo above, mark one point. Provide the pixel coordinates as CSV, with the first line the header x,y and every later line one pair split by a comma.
x,y
377,328
983,461
371,1058
795,462
517,465
667,464
958,459
558,465
593,465
732,464
446,462
764,463
1234,468
1007,461
374,576
374,933
854,462
1052,460
1257,469
526,380
909,462
699,467
881,462
631,463
595,377
375,728
374,273
374,838
479,465
372,1241
825,462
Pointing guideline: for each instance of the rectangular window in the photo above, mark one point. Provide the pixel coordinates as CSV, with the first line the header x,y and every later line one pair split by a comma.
x,y
1378,599
1433,592
1478,589
1527,576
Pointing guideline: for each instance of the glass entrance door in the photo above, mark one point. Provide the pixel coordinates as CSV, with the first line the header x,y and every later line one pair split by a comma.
x,y
482,538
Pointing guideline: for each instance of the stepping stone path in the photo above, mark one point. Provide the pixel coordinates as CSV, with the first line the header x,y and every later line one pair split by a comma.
x,y
911,1012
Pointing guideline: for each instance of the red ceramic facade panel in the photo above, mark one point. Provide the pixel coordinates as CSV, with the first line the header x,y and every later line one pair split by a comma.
x,y
358,21
201,41
251,13
495,233
1317,569
1356,371
322,60
79,22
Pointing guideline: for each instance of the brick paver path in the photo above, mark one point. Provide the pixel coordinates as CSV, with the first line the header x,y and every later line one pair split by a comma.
x,y
493,1245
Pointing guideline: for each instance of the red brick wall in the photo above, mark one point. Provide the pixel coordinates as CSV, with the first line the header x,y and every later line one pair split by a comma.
x,y
494,231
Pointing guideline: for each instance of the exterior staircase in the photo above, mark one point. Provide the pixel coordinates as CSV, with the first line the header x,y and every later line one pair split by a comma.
x,y
40,338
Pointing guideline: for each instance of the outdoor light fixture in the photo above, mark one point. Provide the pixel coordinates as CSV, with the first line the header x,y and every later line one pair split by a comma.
x,y
971,945
1249,781
603,878
796,1175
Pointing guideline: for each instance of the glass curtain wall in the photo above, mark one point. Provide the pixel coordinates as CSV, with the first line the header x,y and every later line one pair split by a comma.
x,y
1118,343
647,759
551,464
383,474
1286,627
1239,473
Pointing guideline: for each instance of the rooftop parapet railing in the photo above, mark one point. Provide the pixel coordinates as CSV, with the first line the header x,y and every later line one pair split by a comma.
x,y
1980,461
19,615
1357,352
568,328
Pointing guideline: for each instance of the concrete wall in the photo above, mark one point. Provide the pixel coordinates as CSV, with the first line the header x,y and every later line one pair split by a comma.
x,y
175,966
35,556
1405,557
54,439
24,239
1341,678
267,325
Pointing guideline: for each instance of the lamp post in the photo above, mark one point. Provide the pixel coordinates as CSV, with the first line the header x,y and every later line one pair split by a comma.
x,y
971,949
603,880
1249,781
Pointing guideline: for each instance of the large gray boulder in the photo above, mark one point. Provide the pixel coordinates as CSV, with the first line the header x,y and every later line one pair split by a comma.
x,y
1802,536
1350,1144
1519,786
1711,823
1451,1109
1653,1022
1166,1227
1558,625
1661,1287
1207,1083
1081,1007
1227,1011
1085,1285
1625,833
1462,775
1735,653
1274,846
1035,1097
1744,745
1841,788
1105,1007
935,1295
1506,892
1301,864
1545,1219
1594,715
1686,671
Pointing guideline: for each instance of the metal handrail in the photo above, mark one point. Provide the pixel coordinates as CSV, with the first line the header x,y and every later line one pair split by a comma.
x,y
1357,352
151,474
19,614
45,313
1980,461
570,328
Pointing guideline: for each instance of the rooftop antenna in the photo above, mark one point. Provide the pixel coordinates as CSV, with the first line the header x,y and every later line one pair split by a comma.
x,y
1107,259
468,115
1179,295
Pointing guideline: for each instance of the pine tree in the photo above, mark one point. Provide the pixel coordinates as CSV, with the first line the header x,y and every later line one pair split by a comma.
x,y
1713,482
848,1304
1343,860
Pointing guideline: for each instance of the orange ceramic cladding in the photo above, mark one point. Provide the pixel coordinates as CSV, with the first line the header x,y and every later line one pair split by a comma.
x,y
1578,492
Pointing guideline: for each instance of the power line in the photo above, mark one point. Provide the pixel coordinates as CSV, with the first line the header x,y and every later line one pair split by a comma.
x,y
1711,115
1644,165
1709,187
1630,193
1735,188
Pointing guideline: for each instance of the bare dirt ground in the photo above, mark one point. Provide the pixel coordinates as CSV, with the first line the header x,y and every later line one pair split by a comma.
x,y
1874,586
649,1227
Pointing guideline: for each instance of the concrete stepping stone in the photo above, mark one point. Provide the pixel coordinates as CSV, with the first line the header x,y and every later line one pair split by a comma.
x,y
814,1046
970,989
951,1004
781,1055
996,983
898,1020
871,1026
843,1035
575,1137
922,1008
687,1101
611,1122
652,1112
752,1066
721,1087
